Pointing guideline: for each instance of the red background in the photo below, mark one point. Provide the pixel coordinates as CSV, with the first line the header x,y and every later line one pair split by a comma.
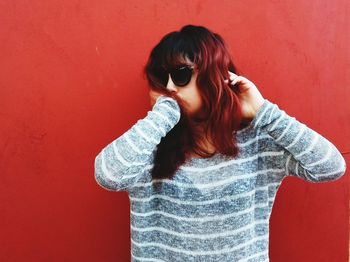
x,y
71,82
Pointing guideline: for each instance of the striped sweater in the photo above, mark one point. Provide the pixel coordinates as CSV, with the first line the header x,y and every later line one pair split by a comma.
x,y
218,208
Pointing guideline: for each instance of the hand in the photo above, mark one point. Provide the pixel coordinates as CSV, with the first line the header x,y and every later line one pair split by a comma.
x,y
248,94
154,96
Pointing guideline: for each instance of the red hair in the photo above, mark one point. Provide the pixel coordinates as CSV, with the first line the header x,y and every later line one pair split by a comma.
x,y
221,106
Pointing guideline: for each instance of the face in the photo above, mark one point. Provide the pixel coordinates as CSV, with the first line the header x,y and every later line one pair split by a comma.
x,y
189,94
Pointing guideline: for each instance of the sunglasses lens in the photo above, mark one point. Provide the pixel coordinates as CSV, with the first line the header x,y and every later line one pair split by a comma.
x,y
181,76
162,76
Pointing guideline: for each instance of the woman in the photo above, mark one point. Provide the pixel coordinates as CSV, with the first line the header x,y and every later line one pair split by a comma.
x,y
203,167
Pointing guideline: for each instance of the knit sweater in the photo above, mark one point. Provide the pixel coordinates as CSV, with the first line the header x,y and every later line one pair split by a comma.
x,y
218,208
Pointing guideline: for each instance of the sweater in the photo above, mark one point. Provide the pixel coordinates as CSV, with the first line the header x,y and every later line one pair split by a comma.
x,y
217,208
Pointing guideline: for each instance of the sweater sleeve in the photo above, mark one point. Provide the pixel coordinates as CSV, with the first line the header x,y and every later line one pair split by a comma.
x,y
121,163
307,154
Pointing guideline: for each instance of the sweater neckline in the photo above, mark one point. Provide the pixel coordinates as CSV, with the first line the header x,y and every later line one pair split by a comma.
x,y
216,158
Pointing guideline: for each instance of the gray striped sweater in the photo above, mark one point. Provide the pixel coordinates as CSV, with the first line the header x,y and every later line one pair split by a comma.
x,y
215,209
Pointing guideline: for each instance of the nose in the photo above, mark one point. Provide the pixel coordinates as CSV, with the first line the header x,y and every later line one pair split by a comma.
x,y
170,85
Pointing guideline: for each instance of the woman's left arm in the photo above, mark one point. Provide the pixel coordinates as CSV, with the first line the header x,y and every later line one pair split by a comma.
x,y
308,155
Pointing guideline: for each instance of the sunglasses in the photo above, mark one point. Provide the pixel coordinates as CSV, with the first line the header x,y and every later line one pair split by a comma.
x,y
181,76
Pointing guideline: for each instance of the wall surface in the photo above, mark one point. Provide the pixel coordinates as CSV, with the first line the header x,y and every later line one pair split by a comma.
x,y
71,82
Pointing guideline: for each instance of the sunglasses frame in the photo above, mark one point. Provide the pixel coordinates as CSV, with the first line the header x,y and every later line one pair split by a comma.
x,y
173,71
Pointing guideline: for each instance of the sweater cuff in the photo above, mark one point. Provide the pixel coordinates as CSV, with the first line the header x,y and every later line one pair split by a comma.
x,y
170,104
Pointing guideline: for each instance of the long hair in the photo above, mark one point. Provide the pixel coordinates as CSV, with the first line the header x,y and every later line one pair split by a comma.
x,y
221,107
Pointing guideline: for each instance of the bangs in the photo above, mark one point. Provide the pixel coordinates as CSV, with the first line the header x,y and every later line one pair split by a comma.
x,y
170,53
173,51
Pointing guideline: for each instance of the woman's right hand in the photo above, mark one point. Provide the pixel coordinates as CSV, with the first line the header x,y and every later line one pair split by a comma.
x,y
154,96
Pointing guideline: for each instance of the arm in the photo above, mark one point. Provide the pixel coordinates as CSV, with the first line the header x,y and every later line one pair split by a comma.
x,y
308,155
121,163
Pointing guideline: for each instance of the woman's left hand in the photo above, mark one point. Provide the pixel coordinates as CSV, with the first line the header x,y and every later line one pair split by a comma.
x,y
248,94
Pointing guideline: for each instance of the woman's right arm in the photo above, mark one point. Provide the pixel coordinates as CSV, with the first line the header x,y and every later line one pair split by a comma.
x,y
120,163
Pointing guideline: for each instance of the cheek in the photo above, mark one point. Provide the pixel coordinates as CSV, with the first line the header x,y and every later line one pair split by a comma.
x,y
197,97
191,98
195,102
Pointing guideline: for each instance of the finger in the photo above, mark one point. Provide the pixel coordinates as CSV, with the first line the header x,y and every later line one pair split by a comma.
x,y
236,80
228,81
233,82
232,74
233,77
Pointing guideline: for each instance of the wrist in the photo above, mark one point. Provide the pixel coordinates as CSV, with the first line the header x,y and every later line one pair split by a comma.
x,y
257,106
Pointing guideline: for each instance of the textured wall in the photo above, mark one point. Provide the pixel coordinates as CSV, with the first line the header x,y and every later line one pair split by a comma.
x,y
71,82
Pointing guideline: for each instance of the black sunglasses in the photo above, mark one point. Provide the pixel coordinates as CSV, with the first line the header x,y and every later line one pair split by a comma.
x,y
181,76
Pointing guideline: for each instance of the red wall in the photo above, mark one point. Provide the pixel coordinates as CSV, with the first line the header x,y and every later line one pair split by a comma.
x,y
71,82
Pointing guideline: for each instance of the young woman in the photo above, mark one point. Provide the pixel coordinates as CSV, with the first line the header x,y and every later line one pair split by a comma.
x,y
202,169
